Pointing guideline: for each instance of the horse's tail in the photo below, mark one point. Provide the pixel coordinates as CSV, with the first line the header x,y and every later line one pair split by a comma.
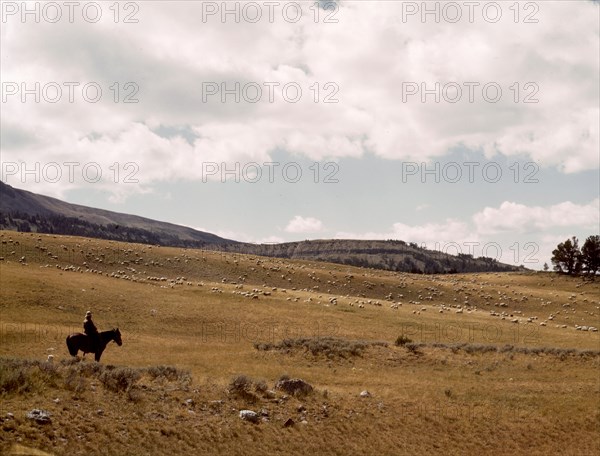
x,y
71,346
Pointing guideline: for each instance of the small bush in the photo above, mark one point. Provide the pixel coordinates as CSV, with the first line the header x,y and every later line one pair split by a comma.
x,y
241,386
261,387
90,369
70,361
477,348
402,340
169,373
330,347
414,348
294,386
73,381
119,379
21,376
14,381
240,383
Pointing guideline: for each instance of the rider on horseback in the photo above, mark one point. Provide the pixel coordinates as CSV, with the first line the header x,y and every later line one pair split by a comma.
x,y
90,329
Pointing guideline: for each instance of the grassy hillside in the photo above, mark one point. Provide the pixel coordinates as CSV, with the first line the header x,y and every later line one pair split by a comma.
x,y
489,363
25,211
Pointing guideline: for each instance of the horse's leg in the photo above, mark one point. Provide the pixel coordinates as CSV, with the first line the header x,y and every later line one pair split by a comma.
x,y
71,346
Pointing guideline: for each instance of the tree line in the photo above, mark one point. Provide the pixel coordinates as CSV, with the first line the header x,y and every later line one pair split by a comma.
x,y
568,258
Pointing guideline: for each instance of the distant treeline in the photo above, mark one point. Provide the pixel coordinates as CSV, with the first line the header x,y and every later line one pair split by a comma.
x,y
72,226
391,255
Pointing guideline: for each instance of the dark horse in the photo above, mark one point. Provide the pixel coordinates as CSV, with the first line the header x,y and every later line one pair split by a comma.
x,y
83,342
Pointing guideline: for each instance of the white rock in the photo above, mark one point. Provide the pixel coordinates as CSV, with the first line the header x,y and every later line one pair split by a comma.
x,y
249,415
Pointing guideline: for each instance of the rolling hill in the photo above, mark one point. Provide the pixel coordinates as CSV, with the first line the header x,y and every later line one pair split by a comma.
x,y
25,211
461,364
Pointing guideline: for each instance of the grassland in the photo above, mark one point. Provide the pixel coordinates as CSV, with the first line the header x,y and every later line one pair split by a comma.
x,y
493,363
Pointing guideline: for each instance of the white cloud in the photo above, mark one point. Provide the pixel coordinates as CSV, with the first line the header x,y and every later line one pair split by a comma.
x,y
171,133
301,224
241,236
512,233
509,218
428,234
171,64
519,218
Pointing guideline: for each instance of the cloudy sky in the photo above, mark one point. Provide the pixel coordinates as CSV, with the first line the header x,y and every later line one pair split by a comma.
x,y
456,125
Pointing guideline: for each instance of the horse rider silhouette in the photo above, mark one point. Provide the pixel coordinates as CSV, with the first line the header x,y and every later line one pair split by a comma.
x,y
89,328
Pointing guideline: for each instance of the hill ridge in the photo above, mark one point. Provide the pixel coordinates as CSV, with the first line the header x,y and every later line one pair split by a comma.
x,y
21,210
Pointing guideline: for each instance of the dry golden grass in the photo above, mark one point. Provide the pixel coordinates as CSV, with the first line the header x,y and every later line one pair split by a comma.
x,y
431,400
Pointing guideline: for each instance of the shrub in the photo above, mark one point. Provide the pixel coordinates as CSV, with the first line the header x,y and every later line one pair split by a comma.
x,y
22,375
331,347
294,386
14,380
414,348
74,381
402,340
169,373
119,379
240,386
261,386
477,348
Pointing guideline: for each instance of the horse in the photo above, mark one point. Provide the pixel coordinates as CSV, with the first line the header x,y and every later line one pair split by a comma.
x,y
83,342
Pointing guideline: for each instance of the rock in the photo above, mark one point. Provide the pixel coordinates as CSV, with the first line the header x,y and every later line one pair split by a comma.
x,y
39,416
289,422
365,393
294,386
189,402
301,408
249,415
100,412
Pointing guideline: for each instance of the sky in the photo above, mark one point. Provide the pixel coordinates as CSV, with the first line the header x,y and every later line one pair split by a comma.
x,y
466,127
